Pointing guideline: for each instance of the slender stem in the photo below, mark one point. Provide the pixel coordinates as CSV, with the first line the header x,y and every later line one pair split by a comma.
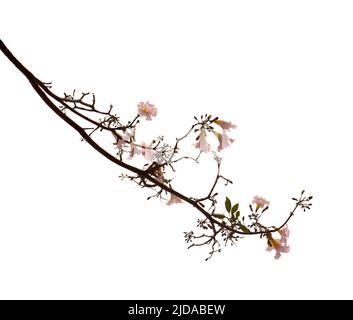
x,y
213,186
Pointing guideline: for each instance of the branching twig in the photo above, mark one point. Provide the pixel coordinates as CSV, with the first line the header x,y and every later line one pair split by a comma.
x,y
160,156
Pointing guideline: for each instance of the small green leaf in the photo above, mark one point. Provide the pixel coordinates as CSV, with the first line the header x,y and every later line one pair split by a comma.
x,y
243,228
235,208
228,205
237,215
218,215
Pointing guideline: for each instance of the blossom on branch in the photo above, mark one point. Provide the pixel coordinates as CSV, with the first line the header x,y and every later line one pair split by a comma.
x,y
202,144
133,150
147,151
145,109
280,245
121,140
225,125
174,200
260,202
223,139
284,232
277,245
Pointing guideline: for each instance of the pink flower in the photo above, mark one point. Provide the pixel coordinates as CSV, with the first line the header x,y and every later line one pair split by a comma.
x,y
121,141
260,202
225,125
284,232
278,246
145,109
160,179
174,199
202,143
223,139
133,150
147,151
126,139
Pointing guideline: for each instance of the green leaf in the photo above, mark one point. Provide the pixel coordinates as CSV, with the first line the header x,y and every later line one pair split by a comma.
x,y
243,228
235,208
218,215
237,215
228,205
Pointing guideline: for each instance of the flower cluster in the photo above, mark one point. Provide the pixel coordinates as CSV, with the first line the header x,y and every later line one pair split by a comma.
x,y
165,156
127,140
224,140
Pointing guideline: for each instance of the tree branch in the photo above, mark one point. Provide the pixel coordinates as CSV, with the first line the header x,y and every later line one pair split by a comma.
x,y
78,106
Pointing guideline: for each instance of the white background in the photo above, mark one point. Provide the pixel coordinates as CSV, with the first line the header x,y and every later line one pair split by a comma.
x,y
281,70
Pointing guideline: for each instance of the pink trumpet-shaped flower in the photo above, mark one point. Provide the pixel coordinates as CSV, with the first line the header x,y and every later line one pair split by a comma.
x,y
133,150
278,246
121,141
260,202
225,125
147,151
202,144
223,139
284,232
145,109
126,139
174,200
